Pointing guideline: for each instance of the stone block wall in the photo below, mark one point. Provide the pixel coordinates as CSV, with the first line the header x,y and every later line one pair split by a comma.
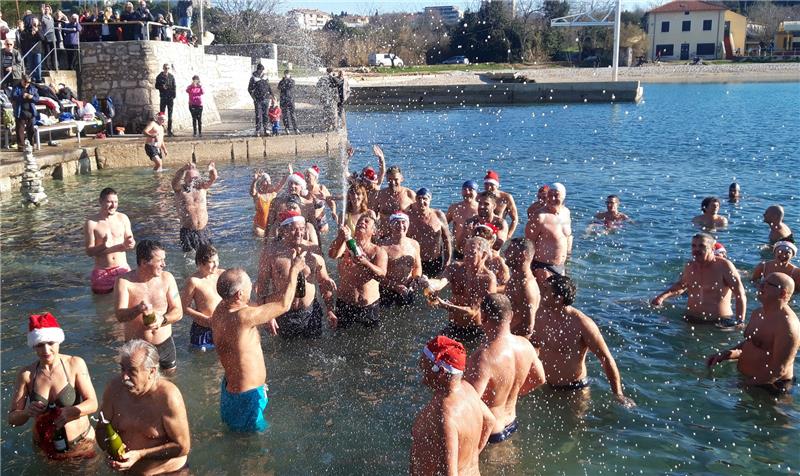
x,y
126,71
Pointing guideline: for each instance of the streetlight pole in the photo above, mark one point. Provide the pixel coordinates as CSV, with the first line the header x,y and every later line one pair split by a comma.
x,y
617,21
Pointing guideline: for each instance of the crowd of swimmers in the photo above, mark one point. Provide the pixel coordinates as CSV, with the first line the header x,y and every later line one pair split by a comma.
x,y
510,301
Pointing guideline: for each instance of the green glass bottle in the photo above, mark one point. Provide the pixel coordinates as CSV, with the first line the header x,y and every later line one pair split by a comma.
x,y
116,448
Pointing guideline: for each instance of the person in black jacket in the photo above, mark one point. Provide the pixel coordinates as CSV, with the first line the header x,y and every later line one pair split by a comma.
x,y
286,88
24,99
260,92
165,83
31,40
11,62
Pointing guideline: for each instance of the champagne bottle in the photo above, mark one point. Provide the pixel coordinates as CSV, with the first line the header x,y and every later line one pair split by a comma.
x,y
353,247
149,319
300,289
60,436
116,448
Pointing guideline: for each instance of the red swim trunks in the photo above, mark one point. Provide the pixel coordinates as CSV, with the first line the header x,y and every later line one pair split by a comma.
x,y
103,279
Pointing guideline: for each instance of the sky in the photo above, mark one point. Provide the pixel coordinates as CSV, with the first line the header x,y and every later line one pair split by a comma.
x,y
363,7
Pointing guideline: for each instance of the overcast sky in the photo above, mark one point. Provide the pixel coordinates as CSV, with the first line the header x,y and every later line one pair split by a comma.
x,y
363,7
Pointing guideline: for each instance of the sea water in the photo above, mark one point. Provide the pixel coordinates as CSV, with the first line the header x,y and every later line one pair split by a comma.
x,y
344,403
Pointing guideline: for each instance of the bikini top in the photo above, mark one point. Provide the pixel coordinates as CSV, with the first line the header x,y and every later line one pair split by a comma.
x,y
66,397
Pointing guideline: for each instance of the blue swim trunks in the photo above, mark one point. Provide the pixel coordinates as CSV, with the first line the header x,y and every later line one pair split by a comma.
x,y
243,411
200,337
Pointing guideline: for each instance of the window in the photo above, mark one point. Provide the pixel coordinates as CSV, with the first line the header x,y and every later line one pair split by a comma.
x,y
664,27
705,49
706,25
665,50
687,25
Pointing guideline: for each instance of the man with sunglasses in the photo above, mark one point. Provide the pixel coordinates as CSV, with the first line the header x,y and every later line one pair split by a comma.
x,y
765,357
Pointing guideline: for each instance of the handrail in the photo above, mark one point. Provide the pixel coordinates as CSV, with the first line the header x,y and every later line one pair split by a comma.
x,y
141,23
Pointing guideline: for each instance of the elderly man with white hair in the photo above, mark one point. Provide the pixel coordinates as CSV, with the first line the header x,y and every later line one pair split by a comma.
x,y
783,252
147,412
550,231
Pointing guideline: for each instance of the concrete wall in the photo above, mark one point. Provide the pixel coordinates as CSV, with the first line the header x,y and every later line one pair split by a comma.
x,y
266,54
126,71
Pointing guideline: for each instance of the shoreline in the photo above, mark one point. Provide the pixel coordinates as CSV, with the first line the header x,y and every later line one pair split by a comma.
x,y
663,73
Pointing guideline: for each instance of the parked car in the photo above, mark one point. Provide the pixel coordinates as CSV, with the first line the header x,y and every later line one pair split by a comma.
x,y
385,59
456,60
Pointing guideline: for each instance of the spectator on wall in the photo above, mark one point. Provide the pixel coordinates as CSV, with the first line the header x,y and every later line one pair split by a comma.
x,y
132,31
107,32
184,11
32,40
165,84
260,91
286,89
24,98
72,32
4,29
11,62
195,92
48,30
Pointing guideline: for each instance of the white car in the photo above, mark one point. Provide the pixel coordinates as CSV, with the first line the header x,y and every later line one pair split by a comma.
x,y
385,59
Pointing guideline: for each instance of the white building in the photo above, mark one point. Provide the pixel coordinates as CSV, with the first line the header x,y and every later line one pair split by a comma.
x,y
355,21
449,14
309,19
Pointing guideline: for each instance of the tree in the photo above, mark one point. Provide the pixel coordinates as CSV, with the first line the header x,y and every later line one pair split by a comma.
x,y
769,17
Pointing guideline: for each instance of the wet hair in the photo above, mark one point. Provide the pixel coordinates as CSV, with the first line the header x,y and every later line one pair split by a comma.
x,y
613,197
707,202
733,186
132,347
231,282
106,192
518,246
393,170
563,287
145,250
361,190
705,237
204,254
496,307
483,244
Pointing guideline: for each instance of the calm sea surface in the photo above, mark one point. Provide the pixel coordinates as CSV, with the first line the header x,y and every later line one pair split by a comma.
x,y
343,404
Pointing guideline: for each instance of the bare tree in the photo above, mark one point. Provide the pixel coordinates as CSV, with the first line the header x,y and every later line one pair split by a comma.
x,y
769,18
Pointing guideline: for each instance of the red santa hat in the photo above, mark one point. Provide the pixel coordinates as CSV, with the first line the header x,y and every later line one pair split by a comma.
x,y
369,174
719,249
44,328
313,170
489,226
446,354
492,178
288,217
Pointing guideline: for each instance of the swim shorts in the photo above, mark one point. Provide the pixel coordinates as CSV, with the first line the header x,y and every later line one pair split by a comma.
x,y
390,297
368,316
509,430
780,387
192,239
433,268
724,321
243,411
458,255
200,337
462,333
553,268
576,385
301,322
103,279
152,152
167,357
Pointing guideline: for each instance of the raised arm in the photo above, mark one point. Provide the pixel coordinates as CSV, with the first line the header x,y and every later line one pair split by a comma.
x,y
178,178
597,345
212,176
263,314
338,246
376,149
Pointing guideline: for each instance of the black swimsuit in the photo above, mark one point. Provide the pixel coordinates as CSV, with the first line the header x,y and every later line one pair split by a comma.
x,y
67,397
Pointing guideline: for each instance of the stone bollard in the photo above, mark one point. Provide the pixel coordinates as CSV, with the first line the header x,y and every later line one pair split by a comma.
x,y
31,185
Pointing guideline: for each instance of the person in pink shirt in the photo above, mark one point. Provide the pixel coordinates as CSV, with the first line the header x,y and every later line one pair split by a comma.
x,y
195,92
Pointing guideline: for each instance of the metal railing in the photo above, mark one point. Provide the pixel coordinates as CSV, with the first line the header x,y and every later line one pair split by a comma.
x,y
145,31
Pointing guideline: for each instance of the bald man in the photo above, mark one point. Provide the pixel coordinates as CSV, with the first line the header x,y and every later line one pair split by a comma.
x,y
765,357
778,230
243,394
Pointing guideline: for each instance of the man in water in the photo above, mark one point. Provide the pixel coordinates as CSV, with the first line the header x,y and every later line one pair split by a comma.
x,y
360,269
563,335
541,201
200,289
191,203
428,227
487,206
450,432
370,179
392,198
148,414
471,281
297,192
612,216
710,219
783,251
235,324
766,355
504,200
501,365
108,236
495,262
550,241
154,145
148,303
734,193
304,318
778,230
710,282
459,214
403,265
521,289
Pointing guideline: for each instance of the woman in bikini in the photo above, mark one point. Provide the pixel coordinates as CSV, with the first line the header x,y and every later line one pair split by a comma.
x,y
57,392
